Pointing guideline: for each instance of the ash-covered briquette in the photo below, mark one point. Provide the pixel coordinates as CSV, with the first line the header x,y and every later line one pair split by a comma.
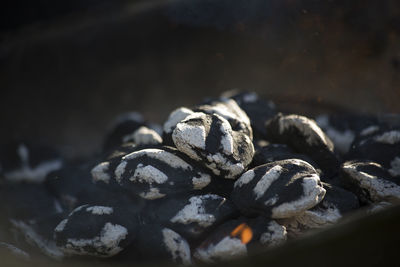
x,y
336,203
38,232
343,129
304,136
100,231
230,111
274,152
236,238
191,216
175,117
370,181
25,162
258,110
154,173
281,189
382,147
73,187
210,140
156,243
10,249
130,127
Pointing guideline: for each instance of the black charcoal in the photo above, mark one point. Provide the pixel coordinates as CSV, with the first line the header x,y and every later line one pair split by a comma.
x,y
100,231
304,136
130,127
164,243
281,189
274,152
258,110
370,181
191,216
382,147
342,129
27,201
23,162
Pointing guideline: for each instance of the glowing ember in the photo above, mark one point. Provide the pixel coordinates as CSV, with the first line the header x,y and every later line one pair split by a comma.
x,y
244,232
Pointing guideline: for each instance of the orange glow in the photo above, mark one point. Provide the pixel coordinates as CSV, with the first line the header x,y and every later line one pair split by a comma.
x,y
244,232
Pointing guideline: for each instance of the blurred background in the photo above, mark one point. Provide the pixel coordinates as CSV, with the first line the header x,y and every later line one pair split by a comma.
x,y
67,68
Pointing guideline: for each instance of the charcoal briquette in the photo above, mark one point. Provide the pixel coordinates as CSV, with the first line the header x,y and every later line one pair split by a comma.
x,y
281,189
191,216
210,140
370,181
236,238
99,231
304,136
166,244
158,172
25,162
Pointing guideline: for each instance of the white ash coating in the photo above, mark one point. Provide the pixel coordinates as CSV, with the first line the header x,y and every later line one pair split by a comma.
x,y
153,193
312,132
16,251
99,172
226,249
187,138
229,109
159,154
218,162
61,226
177,246
379,189
100,210
148,174
33,175
195,212
275,236
342,140
390,137
48,247
319,217
246,178
104,245
313,193
266,180
192,142
201,182
227,139
143,136
395,167
369,130
120,170
272,200
175,117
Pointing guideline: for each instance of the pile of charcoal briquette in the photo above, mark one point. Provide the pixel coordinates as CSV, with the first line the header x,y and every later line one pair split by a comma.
x,y
217,181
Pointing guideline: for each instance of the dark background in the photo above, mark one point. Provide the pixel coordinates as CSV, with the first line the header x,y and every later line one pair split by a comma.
x,y
68,67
